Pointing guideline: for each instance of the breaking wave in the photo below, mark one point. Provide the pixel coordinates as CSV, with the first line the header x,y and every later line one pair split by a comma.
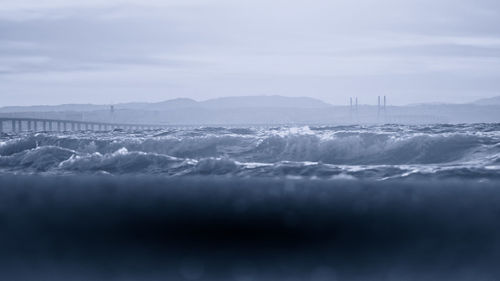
x,y
378,152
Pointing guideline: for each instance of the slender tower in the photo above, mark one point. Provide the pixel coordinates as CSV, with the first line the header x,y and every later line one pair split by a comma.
x,y
350,109
385,112
357,113
378,108
112,113
385,103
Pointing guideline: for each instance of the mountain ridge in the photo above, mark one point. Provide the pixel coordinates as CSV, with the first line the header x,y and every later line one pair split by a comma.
x,y
488,101
274,101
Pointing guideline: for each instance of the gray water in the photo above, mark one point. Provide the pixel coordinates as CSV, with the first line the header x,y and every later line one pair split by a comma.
x,y
308,203
346,152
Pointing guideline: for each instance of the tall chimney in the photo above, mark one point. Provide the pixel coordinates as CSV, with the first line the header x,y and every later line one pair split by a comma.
x,y
112,113
378,107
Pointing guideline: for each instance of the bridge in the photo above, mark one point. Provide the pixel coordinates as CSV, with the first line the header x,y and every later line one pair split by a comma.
x,y
19,124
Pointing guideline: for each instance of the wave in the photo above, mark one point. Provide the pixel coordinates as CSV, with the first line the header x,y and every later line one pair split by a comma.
x,y
121,162
368,148
39,159
373,152
125,162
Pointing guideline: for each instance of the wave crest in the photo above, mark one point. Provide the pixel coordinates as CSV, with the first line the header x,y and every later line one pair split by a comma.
x,y
378,152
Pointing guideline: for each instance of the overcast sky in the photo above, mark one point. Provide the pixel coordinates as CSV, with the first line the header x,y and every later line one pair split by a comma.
x,y
95,51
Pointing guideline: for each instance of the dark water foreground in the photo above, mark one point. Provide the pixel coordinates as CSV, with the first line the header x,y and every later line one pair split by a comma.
x,y
225,228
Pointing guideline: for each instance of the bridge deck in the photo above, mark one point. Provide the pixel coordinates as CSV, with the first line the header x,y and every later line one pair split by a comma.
x,y
17,124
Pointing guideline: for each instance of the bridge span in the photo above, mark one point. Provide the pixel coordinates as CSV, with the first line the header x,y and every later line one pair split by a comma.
x,y
20,124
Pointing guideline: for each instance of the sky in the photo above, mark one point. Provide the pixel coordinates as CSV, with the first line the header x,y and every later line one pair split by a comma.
x,y
94,51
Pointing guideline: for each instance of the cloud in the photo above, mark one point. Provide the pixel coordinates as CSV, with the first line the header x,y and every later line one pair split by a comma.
x,y
211,48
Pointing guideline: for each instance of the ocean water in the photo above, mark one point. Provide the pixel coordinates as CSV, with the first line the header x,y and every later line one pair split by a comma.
x,y
308,152
312,203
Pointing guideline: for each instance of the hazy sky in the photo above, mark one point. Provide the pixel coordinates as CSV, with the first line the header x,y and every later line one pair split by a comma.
x,y
109,51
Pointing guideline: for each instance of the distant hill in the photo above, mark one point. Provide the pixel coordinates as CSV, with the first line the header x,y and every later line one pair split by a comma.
x,y
264,102
51,108
219,103
164,105
488,101
263,110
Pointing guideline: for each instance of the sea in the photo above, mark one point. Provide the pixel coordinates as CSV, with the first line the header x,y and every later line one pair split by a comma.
x,y
377,153
354,202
